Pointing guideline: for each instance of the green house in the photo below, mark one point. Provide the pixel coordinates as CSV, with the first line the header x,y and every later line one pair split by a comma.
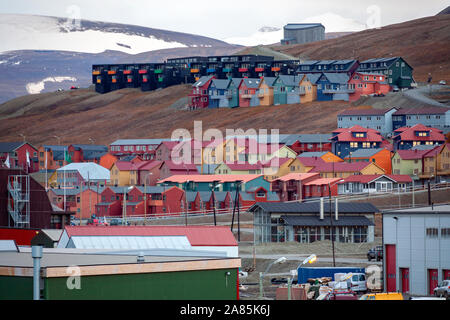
x,y
398,72
286,90
408,162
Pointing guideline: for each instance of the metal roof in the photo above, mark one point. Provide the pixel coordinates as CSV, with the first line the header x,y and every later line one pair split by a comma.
x,y
314,207
138,142
87,170
298,26
315,221
221,83
340,78
363,153
10,146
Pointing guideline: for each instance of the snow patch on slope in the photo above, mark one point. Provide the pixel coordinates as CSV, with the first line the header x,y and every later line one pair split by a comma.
x,y
24,32
37,87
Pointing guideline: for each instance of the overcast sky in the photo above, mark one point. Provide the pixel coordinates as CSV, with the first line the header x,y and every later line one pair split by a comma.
x,y
225,18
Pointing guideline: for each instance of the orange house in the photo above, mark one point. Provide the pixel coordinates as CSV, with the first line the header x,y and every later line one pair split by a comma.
x,y
108,160
308,88
265,91
381,157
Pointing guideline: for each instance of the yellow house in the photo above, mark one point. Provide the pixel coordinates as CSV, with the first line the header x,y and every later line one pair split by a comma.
x,y
265,91
308,88
238,168
346,169
124,173
285,166
444,160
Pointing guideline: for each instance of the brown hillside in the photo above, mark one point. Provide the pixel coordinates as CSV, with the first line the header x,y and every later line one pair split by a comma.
x,y
424,43
75,116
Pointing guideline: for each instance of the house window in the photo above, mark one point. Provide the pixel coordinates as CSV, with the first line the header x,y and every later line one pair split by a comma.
x,y
353,144
366,144
432,232
445,232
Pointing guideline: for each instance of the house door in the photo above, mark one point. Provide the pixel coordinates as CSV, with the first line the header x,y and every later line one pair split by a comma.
x,y
404,272
391,277
432,280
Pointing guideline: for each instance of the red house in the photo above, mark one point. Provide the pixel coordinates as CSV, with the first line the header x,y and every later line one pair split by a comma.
x,y
19,155
248,92
310,143
169,168
319,188
367,83
199,98
290,187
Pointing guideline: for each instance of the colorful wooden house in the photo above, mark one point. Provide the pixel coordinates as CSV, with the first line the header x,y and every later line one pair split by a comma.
x,y
145,148
361,84
378,119
239,168
345,169
265,91
286,90
398,72
380,156
278,167
408,137
320,188
430,116
311,142
443,161
19,155
409,162
326,156
331,66
169,168
333,86
248,96
374,183
219,93
199,98
290,187
346,140
308,87
125,173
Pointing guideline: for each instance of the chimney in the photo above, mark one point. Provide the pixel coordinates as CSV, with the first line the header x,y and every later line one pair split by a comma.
x,y
321,209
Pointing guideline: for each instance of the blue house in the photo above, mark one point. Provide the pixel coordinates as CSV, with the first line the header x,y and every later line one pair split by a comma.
x,y
218,93
333,86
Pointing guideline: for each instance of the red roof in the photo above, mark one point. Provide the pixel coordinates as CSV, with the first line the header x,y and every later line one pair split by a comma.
x,y
297,176
197,235
211,178
276,162
147,165
128,165
411,154
311,161
340,167
192,168
244,166
322,181
346,134
408,134
367,178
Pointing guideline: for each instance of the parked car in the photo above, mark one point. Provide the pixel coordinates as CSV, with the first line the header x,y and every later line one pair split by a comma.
x,y
341,296
443,289
443,82
395,89
375,253
357,282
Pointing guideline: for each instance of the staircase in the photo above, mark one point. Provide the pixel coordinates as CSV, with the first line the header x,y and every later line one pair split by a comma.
x,y
19,200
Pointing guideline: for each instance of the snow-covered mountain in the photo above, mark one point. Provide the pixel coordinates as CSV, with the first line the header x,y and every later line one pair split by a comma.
x,y
31,32
333,23
41,54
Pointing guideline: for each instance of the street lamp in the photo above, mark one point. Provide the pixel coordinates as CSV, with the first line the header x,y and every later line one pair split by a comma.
x,y
309,260
262,274
331,219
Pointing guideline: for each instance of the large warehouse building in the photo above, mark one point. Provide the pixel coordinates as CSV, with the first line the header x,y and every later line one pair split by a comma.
x,y
416,244
298,33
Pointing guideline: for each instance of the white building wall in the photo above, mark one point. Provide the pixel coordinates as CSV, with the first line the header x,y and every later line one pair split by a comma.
x,y
415,250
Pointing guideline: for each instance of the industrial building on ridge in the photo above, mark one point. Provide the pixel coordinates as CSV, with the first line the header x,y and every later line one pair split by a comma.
x,y
298,33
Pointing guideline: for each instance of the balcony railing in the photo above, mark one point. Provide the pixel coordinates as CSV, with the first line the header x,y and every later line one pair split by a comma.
x,y
246,96
195,71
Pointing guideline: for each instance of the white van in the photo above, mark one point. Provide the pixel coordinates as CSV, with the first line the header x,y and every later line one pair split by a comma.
x,y
357,282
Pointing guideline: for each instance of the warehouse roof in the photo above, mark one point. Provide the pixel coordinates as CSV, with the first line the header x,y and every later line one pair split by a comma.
x,y
313,207
315,221
299,26
196,235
